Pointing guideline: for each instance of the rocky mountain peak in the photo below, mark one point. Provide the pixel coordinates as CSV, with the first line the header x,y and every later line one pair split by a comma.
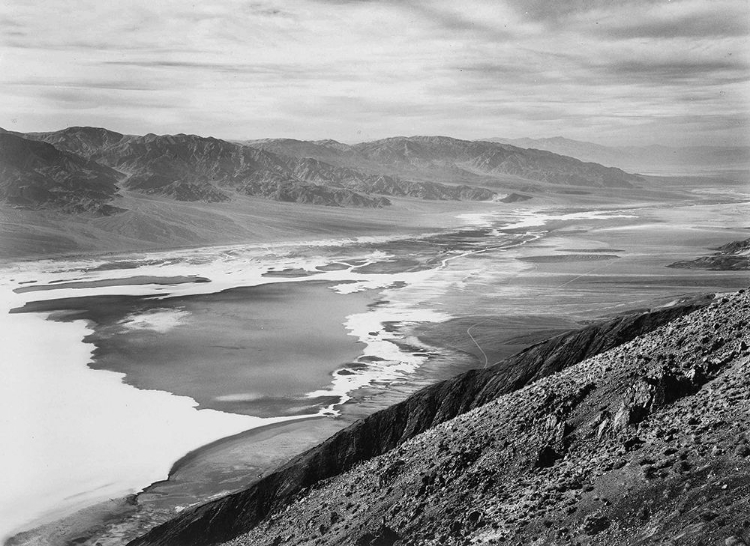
x,y
84,141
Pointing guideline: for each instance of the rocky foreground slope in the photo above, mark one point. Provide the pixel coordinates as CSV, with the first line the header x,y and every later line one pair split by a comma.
x,y
412,496
647,443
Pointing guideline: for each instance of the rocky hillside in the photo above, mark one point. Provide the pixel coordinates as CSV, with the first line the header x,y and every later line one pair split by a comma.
x,y
390,441
87,142
646,443
38,175
734,256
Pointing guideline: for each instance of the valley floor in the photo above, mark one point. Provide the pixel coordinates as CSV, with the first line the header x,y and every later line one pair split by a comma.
x,y
580,268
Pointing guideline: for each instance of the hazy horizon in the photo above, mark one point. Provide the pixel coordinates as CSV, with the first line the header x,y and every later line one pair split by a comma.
x,y
640,72
742,144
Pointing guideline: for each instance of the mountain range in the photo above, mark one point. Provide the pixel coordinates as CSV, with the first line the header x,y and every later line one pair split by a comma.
x,y
84,168
450,159
641,158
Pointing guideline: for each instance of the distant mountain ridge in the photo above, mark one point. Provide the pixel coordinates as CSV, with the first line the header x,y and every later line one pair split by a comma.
x,y
188,167
446,156
639,158
324,172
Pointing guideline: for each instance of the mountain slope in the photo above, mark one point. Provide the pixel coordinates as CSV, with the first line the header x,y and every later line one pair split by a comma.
x,y
645,444
585,151
37,175
329,151
387,429
493,159
87,142
446,158
188,167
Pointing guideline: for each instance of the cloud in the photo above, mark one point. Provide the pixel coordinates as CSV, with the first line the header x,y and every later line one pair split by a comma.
x,y
345,68
210,66
560,13
119,85
657,72
713,23
455,19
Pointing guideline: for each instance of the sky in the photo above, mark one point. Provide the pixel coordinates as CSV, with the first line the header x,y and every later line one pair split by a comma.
x,y
615,72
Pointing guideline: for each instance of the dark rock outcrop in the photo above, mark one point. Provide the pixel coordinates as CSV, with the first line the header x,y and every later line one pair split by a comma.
x,y
384,431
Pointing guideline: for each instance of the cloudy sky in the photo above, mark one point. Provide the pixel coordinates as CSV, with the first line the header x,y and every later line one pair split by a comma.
x,y
609,71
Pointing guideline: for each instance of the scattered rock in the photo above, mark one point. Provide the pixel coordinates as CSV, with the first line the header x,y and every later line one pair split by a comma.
x,y
546,457
383,536
594,524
